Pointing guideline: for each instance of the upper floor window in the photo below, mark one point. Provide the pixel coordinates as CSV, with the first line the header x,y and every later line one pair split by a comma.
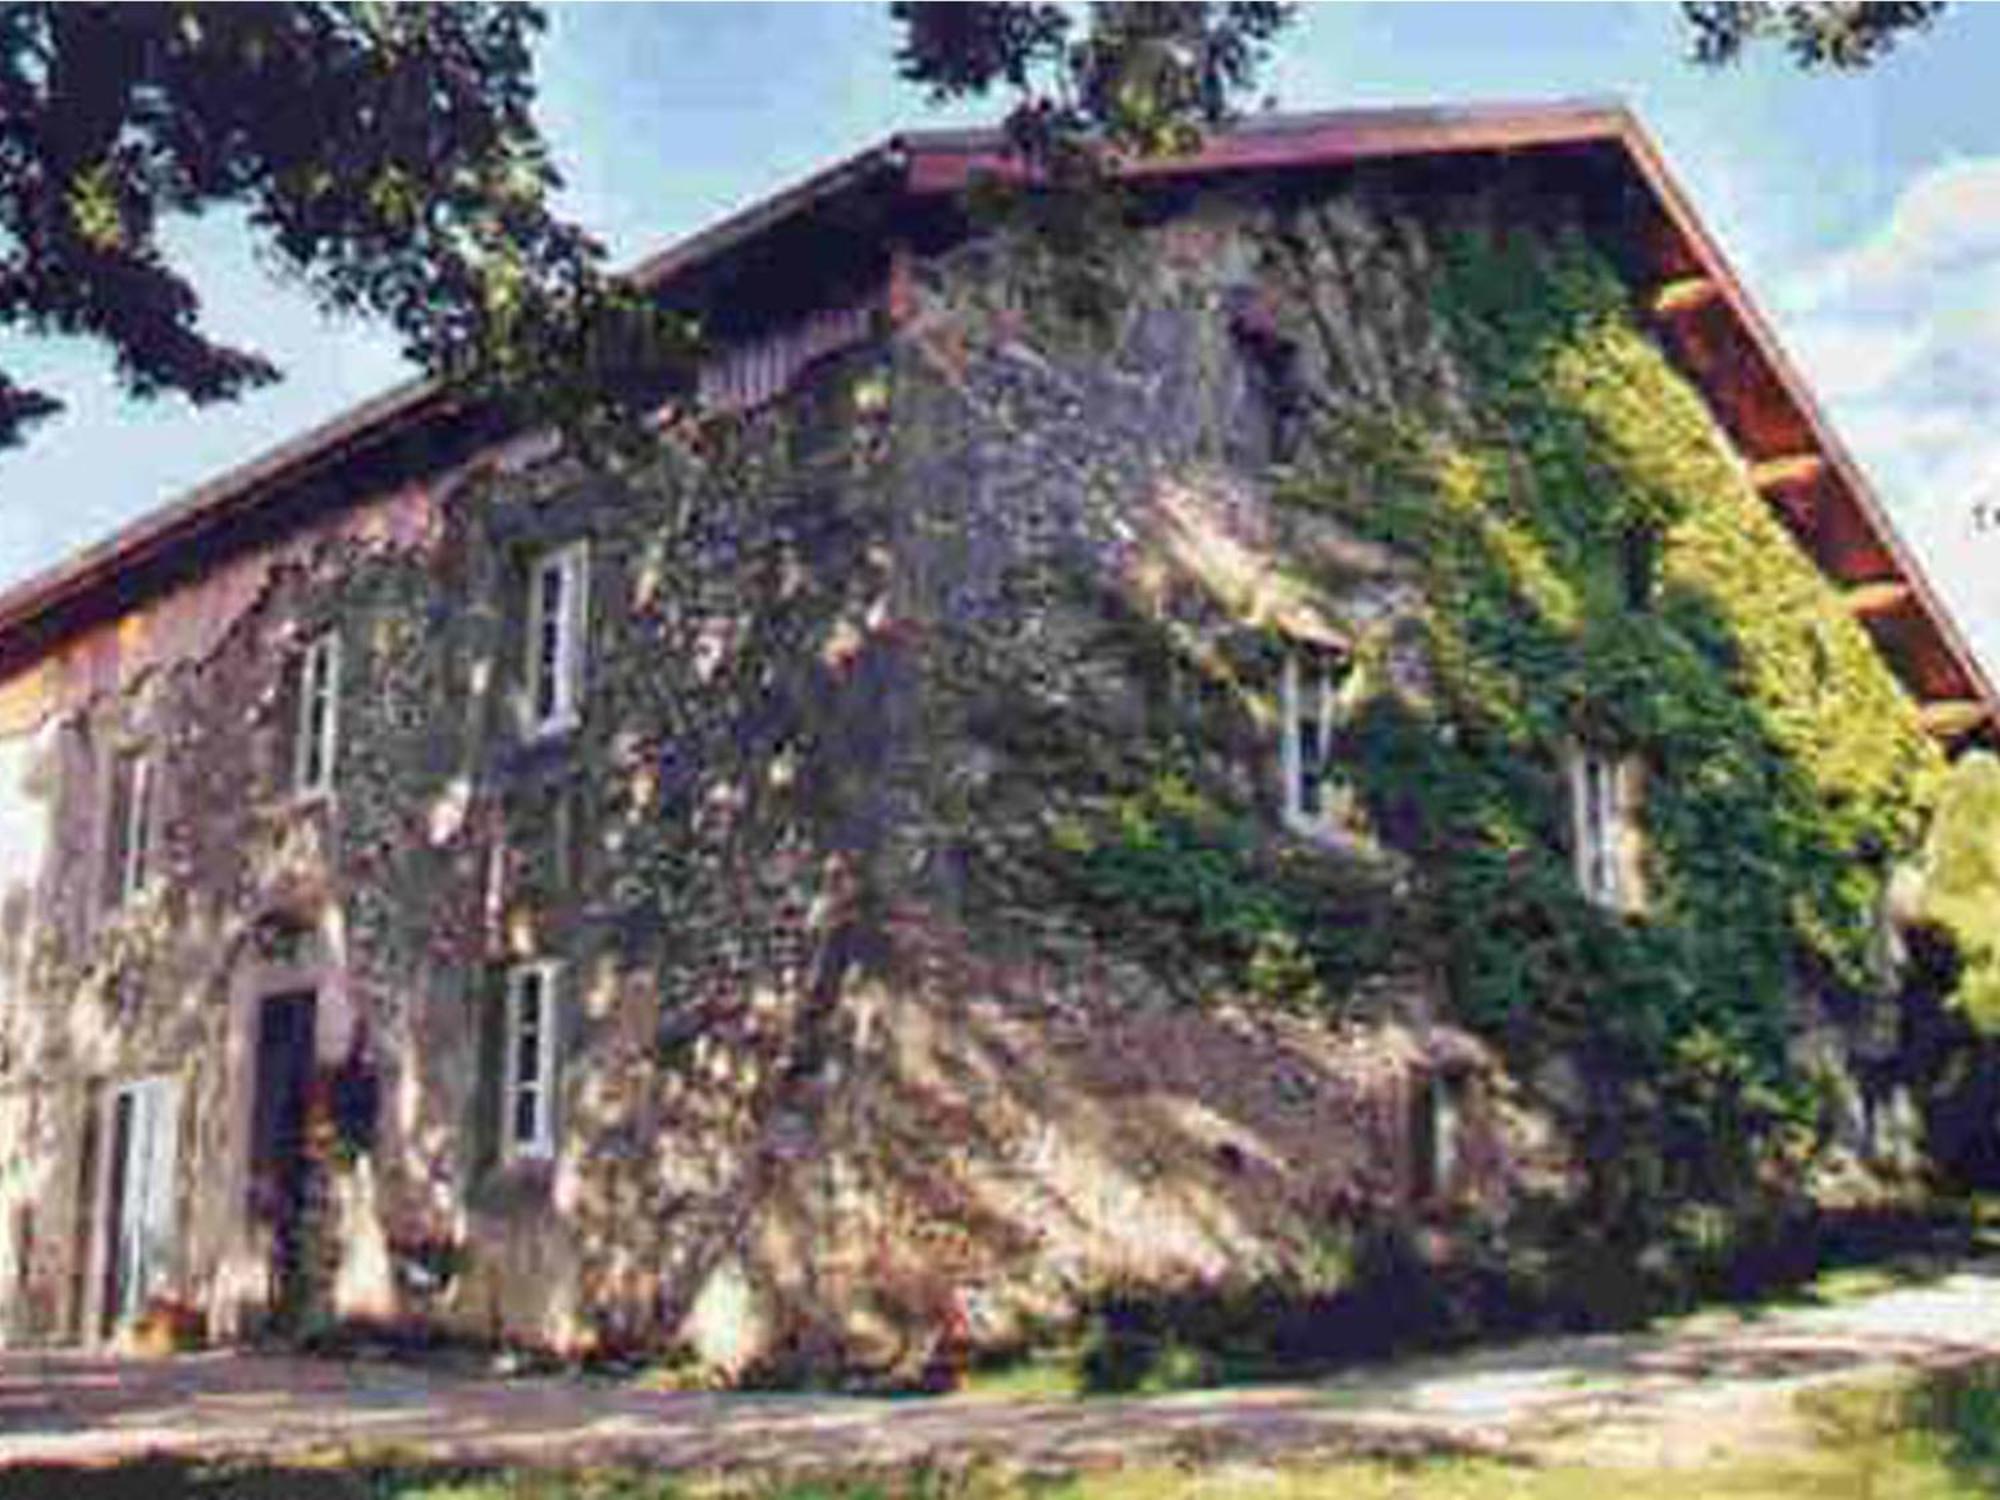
x,y
317,731
1604,805
1309,704
558,617
528,1061
131,823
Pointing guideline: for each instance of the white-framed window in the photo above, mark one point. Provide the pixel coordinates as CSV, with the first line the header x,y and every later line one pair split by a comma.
x,y
558,621
132,804
1309,702
318,729
528,1063
1604,808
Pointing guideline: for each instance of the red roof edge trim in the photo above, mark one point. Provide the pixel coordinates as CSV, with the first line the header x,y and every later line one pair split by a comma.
x,y
251,484
1841,465
928,163
946,162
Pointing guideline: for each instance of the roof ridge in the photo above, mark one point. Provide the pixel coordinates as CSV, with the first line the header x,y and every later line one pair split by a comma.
x,y
56,601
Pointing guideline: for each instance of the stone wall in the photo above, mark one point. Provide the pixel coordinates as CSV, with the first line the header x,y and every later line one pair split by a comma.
x,y
856,1058
1104,584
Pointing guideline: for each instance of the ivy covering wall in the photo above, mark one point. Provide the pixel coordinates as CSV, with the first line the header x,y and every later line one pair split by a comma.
x,y
926,807
1959,886
1600,572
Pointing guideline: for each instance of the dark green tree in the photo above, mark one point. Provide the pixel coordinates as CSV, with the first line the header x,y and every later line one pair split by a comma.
x,y
1960,882
384,155
1847,36
1139,79
1148,78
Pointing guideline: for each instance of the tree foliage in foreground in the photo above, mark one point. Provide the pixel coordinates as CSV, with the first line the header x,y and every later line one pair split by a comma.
x,y
1138,79
1847,36
1961,882
1149,78
385,156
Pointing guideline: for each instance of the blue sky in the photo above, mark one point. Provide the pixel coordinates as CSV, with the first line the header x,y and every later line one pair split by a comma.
x,y
1863,213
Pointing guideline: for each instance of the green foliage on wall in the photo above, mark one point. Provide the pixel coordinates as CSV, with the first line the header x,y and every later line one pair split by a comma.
x,y
1283,921
1961,882
1600,572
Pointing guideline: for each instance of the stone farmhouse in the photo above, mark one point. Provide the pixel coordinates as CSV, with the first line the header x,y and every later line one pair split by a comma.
x,y
889,862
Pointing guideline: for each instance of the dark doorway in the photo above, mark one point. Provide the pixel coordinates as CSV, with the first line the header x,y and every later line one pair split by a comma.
x,y
116,1282
278,1167
89,1157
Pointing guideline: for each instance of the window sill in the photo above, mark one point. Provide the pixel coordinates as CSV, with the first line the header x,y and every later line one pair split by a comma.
x,y
513,1184
1330,835
122,908
552,731
1627,909
1317,829
291,807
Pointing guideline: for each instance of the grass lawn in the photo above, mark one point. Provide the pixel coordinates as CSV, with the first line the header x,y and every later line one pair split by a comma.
x,y
1901,1475
1933,1440
1893,1258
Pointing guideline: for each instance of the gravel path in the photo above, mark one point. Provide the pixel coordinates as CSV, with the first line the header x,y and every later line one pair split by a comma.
x,y
1677,1396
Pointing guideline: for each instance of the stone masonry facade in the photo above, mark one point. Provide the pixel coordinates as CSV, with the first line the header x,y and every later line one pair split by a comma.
x,y
837,1071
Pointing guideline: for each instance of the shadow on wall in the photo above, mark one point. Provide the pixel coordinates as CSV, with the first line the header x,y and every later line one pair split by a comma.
x,y
989,1095
996,997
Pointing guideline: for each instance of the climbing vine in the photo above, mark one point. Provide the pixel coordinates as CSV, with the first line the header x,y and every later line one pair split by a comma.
x,y
1959,886
1292,928
1783,768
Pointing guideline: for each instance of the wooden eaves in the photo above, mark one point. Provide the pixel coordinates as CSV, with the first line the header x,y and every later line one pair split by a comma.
x,y
1703,315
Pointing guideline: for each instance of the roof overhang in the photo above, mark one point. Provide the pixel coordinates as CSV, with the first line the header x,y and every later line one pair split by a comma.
x,y
1698,305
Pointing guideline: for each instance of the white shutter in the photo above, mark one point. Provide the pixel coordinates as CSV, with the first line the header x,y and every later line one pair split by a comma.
x,y
146,1217
1579,817
1446,1129
162,1163
330,744
1603,798
303,737
1631,834
1291,766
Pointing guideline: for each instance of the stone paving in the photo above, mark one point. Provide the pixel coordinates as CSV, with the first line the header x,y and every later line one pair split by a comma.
x,y
1673,1396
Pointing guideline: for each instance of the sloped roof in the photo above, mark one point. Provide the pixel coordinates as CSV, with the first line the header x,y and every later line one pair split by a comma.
x,y
1698,306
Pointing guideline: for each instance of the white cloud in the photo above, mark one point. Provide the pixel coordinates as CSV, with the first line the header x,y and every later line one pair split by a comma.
x,y
1898,333
1946,221
1853,358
